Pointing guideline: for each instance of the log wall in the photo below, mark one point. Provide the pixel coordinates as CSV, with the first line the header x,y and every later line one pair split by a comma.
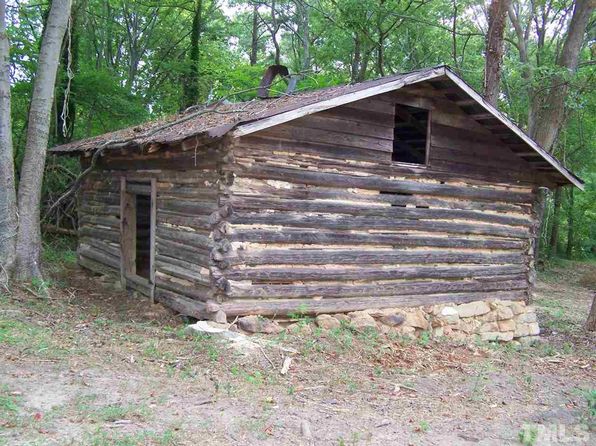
x,y
186,203
312,215
323,220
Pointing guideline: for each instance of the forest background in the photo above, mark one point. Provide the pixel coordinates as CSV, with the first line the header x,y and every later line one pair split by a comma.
x,y
124,62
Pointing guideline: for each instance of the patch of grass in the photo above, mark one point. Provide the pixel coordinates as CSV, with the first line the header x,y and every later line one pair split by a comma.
x,y
29,339
9,408
59,251
110,412
107,438
528,435
423,426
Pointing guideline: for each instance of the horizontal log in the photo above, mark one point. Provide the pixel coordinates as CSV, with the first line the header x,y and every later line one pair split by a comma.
x,y
367,223
312,236
105,209
281,307
337,124
186,207
102,245
182,273
107,221
101,233
253,187
197,239
98,256
369,273
195,221
171,284
140,284
181,304
258,203
360,257
240,290
293,131
98,267
185,264
184,252
374,182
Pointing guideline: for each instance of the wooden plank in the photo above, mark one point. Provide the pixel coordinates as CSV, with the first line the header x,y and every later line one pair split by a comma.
x,y
320,237
369,290
362,256
340,222
305,206
369,273
374,182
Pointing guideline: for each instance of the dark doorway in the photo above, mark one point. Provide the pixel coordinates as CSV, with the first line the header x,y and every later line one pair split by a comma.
x,y
143,235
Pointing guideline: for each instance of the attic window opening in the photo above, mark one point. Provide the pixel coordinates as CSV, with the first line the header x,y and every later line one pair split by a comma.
x,y
410,135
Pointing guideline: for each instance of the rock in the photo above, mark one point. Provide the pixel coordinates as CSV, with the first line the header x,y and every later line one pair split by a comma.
x,y
393,320
488,327
507,325
439,332
531,329
305,429
518,307
472,309
406,331
448,315
497,336
327,322
468,326
342,317
416,319
257,324
504,313
361,320
238,341
376,313
526,318
488,317
220,317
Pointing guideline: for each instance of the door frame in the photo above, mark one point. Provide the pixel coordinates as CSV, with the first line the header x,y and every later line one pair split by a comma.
x,y
129,189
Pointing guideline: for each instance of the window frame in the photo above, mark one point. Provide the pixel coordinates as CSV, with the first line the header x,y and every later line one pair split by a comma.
x,y
428,136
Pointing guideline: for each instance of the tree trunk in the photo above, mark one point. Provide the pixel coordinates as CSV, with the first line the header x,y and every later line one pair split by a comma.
x,y
191,81
497,16
254,44
591,322
549,115
356,59
29,236
570,226
8,198
304,33
554,234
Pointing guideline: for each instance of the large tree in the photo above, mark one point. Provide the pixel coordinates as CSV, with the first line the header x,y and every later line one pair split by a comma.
x,y
497,18
8,207
28,245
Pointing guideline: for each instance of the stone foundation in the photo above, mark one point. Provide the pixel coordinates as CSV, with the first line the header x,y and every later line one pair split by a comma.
x,y
493,320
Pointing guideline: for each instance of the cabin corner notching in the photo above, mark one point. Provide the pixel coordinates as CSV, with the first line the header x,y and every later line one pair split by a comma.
x,y
346,199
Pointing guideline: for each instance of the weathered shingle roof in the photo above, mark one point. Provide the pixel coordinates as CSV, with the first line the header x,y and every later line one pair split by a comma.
x,y
219,119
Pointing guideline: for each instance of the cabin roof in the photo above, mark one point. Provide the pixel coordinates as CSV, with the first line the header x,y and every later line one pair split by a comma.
x,y
219,119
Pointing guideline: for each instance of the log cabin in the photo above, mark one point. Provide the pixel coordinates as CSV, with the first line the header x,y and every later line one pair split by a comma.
x,y
406,190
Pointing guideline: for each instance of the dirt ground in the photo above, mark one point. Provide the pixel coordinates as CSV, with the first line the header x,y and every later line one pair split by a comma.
x,y
91,365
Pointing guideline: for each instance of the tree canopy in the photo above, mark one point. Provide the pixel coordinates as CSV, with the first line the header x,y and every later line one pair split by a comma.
x,y
127,61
